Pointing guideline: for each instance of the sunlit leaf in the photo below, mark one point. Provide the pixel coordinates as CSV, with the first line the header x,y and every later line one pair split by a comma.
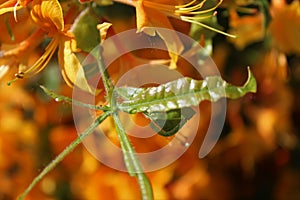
x,y
184,92
85,31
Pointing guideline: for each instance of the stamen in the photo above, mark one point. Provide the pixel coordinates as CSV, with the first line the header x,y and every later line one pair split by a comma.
x,y
44,60
186,19
41,63
19,75
185,5
15,11
184,12
200,17
193,10
189,9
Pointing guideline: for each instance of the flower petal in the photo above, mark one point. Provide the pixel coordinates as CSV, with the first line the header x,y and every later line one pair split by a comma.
x,y
285,26
48,15
3,70
103,28
148,19
72,69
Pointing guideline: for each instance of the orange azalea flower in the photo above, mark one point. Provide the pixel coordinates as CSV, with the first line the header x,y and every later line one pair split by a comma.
x,y
48,15
151,14
190,12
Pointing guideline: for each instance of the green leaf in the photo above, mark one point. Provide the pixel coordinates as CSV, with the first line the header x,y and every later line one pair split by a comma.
x,y
184,92
170,122
85,30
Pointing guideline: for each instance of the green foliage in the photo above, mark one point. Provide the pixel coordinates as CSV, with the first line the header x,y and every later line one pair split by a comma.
x,y
85,31
184,92
170,122
167,105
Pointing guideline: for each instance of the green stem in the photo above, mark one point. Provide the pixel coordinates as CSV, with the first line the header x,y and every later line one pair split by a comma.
x,y
108,85
145,186
63,154
58,97
131,161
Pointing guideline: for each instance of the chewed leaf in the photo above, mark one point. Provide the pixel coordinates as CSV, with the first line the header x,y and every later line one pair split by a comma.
x,y
181,93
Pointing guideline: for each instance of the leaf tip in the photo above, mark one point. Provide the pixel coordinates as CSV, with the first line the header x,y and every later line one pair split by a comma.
x,y
251,83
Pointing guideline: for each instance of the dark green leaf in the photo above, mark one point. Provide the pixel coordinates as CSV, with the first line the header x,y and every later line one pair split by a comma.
x,y
170,122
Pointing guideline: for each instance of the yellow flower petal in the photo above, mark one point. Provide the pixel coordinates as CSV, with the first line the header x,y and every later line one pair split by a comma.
x,y
48,15
72,70
103,28
148,25
141,16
